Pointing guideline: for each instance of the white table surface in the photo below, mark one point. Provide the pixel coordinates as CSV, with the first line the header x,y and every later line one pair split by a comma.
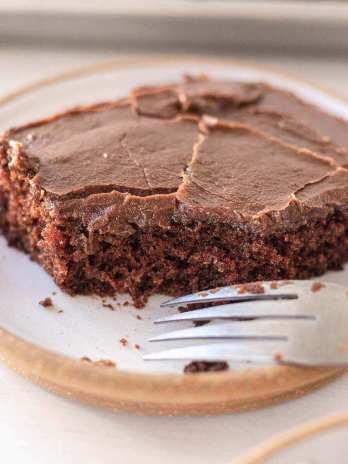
x,y
39,427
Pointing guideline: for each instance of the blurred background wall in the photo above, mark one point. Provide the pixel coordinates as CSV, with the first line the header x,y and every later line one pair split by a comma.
x,y
39,38
203,26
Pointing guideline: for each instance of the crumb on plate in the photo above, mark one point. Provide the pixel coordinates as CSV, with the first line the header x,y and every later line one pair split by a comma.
x,y
46,302
317,286
205,366
99,362
124,341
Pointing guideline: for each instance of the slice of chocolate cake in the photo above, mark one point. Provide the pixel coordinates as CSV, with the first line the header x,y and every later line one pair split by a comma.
x,y
177,189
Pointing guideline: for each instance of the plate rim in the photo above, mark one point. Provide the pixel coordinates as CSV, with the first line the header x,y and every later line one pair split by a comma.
x,y
280,442
158,393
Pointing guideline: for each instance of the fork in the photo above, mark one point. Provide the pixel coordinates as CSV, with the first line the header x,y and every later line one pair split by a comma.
x,y
300,322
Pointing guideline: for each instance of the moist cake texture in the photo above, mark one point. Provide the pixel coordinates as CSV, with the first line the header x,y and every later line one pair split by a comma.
x,y
179,188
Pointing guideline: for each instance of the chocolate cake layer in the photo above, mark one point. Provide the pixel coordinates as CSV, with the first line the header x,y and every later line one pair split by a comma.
x,y
179,188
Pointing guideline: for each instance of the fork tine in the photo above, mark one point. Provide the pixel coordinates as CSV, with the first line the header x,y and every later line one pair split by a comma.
x,y
261,328
259,309
231,293
267,351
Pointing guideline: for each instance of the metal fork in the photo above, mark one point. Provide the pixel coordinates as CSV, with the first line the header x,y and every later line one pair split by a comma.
x,y
300,322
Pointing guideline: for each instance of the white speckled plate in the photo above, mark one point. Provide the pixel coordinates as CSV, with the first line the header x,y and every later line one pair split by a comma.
x,y
47,344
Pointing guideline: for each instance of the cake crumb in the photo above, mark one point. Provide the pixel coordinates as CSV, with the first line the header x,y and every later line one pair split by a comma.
x,y
99,362
255,288
317,286
105,363
192,307
139,317
137,347
214,290
124,341
205,366
108,306
46,302
280,283
126,303
203,294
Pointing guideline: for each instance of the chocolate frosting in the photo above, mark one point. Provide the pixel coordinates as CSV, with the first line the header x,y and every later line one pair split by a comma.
x,y
246,154
197,95
113,149
272,110
246,172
